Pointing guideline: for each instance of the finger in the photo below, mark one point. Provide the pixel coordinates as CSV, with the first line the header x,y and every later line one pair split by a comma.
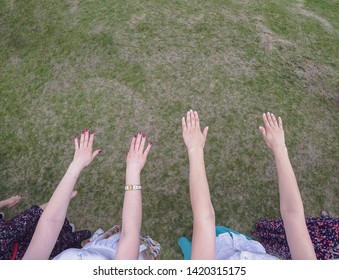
x,y
188,119
265,120
142,143
197,121
205,131
148,148
76,143
131,148
262,130
269,118
183,123
91,139
280,123
274,120
86,137
138,141
82,139
95,153
192,118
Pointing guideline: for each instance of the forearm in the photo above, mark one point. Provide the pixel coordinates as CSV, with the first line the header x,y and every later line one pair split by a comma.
x,y
199,191
203,239
131,219
292,210
53,216
290,199
132,209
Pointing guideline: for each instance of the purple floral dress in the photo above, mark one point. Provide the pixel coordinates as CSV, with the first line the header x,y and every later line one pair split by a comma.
x,y
324,233
16,234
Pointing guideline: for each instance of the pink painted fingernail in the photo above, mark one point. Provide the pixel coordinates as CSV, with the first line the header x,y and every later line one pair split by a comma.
x,y
92,131
100,151
135,136
150,142
144,135
83,132
75,137
86,130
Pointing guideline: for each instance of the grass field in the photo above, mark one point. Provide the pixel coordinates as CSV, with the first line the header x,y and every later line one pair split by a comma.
x,y
119,67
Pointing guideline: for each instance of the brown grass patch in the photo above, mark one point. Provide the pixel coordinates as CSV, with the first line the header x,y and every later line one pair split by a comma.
x,y
270,40
300,9
314,75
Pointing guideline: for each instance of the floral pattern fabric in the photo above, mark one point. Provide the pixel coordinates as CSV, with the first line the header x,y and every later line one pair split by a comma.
x,y
16,234
324,233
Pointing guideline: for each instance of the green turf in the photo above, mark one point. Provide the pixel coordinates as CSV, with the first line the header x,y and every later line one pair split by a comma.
x,y
119,67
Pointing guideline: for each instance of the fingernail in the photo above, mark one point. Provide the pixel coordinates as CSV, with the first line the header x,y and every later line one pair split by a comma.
x,y
100,151
86,130
135,135
150,142
144,135
92,131
83,132
75,137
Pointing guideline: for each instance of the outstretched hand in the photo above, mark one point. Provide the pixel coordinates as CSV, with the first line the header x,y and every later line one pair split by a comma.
x,y
194,138
137,155
84,154
273,132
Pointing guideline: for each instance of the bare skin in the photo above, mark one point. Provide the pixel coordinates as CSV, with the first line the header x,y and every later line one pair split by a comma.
x,y
43,206
10,202
203,240
291,206
128,248
53,216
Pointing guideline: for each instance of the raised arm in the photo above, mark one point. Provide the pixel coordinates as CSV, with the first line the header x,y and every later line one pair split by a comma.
x,y
203,240
53,217
291,206
10,202
128,248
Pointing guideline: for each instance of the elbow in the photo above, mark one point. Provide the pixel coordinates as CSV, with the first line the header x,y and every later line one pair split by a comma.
x,y
207,217
291,213
130,233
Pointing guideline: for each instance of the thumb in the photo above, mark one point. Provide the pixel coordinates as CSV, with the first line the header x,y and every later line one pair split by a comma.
x,y
96,153
262,130
205,131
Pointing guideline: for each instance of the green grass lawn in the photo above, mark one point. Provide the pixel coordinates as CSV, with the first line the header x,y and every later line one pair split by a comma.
x,y
119,67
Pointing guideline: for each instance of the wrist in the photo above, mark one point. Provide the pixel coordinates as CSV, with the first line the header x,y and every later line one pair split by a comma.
x,y
280,151
195,150
74,169
132,177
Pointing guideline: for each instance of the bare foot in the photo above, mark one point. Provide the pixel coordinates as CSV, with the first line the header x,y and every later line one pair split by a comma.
x,y
74,193
10,202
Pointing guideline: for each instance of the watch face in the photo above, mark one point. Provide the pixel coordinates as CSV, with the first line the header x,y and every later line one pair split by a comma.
x,y
132,187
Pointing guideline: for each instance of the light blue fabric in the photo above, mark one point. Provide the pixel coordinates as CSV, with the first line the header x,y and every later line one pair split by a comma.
x,y
186,245
230,246
221,229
